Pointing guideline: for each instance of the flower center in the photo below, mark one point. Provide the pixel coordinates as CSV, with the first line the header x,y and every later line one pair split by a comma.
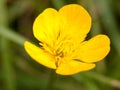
x,y
63,50
58,59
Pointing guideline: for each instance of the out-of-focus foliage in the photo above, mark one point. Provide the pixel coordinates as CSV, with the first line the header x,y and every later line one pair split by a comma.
x,y
19,72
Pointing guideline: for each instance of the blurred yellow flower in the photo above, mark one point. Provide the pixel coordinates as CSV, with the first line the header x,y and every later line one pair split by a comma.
x,y
62,46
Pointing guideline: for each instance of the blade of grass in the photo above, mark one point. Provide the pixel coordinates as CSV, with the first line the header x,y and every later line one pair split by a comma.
x,y
10,35
109,22
99,77
9,80
3,14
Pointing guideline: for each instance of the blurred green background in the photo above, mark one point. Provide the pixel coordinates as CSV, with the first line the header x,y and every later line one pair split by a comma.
x,y
19,72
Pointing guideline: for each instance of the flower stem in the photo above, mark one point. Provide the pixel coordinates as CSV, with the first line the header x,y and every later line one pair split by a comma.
x,y
52,80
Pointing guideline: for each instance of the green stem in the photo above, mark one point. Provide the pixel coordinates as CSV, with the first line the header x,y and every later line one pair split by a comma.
x,y
104,79
3,15
9,79
101,78
7,65
52,80
10,35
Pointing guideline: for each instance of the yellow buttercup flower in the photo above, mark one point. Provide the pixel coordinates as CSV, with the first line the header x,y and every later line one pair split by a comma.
x,y
62,40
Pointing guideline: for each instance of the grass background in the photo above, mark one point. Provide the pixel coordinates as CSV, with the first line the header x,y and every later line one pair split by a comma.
x,y
19,72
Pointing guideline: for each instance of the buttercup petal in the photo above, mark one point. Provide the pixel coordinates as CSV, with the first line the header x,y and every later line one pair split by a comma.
x,y
73,67
75,22
94,49
40,55
46,26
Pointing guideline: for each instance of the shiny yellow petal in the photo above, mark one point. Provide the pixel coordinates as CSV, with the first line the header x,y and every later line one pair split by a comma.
x,y
75,22
40,55
94,49
46,26
73,67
